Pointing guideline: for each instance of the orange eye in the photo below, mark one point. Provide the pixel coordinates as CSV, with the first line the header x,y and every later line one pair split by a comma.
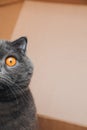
x,y
10,61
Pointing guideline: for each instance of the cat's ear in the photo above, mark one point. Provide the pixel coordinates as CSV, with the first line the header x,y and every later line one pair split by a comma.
x,y
20,44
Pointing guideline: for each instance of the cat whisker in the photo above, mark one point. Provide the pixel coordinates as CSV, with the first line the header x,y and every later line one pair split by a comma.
x,y
19,90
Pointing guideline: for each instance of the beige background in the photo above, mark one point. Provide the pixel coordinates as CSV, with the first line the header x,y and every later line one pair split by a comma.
x,y
58,48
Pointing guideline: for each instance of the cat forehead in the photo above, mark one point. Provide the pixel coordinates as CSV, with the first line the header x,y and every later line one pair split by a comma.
x,y
4,43
4,47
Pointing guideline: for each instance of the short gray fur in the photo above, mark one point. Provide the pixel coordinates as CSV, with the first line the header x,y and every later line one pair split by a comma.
x,y
17,108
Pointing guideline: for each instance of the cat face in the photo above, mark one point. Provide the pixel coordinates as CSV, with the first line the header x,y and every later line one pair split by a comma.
x,y
15,67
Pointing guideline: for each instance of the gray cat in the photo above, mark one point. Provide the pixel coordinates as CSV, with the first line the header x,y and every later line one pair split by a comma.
x,y
17,108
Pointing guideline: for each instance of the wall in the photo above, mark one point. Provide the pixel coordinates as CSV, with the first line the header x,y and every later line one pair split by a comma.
x,y
58,48
6,2
8,18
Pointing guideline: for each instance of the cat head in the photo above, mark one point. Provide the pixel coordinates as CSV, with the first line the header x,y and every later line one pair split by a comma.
x,y
15,67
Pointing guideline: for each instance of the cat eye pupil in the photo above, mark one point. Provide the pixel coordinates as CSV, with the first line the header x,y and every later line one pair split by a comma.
x,y
10,61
